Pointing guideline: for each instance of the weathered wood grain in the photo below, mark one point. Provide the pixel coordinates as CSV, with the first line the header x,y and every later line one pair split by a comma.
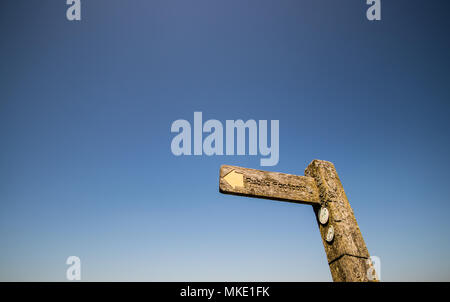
x,y
270,185
347,253
349,269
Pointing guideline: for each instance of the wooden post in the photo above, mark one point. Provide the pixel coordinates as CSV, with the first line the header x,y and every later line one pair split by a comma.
x,y
347,253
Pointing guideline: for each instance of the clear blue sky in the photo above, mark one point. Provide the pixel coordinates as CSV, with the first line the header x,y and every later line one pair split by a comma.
x,y
86,107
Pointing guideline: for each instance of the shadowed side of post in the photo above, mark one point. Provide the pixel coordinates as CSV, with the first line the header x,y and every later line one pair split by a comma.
x,y
347,253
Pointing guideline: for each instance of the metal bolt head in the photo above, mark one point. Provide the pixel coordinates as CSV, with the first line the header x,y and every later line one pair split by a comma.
x,y
323,215
330,234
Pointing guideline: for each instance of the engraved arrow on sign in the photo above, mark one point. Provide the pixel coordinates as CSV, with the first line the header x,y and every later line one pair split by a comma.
x,y
234,179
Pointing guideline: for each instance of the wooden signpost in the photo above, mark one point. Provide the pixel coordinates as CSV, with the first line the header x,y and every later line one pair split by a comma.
x,y
344,245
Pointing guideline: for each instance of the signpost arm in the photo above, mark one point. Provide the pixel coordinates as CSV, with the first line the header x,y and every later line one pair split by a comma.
x,y
347,253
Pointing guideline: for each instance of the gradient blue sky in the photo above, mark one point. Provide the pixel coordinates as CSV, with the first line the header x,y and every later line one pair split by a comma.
x,y
86,107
